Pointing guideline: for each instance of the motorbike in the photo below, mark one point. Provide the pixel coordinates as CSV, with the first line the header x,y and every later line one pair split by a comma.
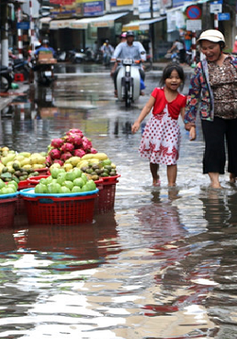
x,y
128,81
86,55
45,74
6,78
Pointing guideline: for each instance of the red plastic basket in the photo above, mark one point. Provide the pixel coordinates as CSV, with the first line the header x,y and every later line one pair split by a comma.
x,y
20,205
106,197
60,211
33,181
7,211
43,171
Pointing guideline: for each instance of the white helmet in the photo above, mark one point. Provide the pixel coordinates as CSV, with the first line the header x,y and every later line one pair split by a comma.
x,y
236,37
212,35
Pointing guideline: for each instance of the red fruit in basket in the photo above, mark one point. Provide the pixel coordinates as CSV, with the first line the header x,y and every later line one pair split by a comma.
x,y
66,156
67,147
57,143
48,161
79,153
76,131
75,139
86,144
93,150
58,161
55,153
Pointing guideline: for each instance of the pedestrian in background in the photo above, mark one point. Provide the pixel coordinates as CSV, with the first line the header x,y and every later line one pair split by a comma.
x,y
160,141
178,46
212,94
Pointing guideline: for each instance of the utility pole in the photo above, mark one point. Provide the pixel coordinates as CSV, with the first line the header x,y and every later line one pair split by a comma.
x,y
4,35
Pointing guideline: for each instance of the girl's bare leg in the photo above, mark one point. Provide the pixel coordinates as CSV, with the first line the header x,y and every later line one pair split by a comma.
x,y
154,172
214,177
171,175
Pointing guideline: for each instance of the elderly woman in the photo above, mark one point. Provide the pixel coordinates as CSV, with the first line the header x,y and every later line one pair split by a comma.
x,y
213,93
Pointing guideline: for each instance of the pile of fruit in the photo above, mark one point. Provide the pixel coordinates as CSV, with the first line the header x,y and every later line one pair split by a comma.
x,y
61,182
8,187
73,143
20,166
71,151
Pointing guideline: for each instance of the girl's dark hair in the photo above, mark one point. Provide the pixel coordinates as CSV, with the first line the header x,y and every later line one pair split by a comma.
x,y
169,69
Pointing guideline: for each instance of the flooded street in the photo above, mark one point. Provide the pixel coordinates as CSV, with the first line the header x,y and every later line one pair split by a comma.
x,y
162,265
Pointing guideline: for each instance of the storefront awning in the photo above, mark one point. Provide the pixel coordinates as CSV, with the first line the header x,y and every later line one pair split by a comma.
x,y
80,23
106,20
142,25
44,20
57,24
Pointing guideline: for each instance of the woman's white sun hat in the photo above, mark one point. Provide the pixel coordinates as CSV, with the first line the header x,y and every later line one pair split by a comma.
x,y
212,35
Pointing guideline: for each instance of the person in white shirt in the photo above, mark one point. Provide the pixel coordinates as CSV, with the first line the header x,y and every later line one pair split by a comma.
x,y
179,47
128,50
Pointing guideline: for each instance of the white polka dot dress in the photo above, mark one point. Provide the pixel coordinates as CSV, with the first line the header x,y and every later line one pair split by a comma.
x,y
161,139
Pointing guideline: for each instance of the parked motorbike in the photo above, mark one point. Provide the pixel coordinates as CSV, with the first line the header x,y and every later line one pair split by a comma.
x,y
128,81
61,55
86,55
6,78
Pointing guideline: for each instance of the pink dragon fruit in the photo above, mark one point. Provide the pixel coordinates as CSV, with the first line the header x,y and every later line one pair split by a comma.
x,y
79,152
75,139
93,150
57,143
66,156
58,161
67,147
48,161
55,153
86,144
75,131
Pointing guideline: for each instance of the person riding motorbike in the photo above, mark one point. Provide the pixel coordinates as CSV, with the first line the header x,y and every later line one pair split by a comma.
x,y
107,51
129,49
43,48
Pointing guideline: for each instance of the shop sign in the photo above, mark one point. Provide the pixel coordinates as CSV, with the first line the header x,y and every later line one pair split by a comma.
x,y
93,8
223,16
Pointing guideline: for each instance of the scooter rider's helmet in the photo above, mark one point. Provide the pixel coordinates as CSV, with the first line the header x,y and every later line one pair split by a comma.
x,y
130,33
212,35
45,41
123,35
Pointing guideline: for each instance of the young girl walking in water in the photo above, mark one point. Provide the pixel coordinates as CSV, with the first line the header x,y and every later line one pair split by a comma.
x,y
161,137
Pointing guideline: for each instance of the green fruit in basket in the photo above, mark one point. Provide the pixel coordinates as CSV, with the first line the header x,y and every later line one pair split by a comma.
x,y
48,180
68,184
2,183
61,178
78,182
76,189
84,177
71,175
106,162
65,189
54,188
7,190
91,185
13,182
55,171
41,188
78,172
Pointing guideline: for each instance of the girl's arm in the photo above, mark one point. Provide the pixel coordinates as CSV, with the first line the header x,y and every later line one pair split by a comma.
x,y
145,111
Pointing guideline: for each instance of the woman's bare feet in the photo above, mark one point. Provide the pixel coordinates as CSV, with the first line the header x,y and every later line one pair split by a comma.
x,y
232,178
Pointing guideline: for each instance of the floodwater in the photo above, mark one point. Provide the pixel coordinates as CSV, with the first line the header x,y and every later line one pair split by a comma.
x,y
161,265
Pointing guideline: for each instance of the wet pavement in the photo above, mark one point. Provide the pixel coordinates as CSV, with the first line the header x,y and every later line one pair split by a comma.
x,y
161,265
